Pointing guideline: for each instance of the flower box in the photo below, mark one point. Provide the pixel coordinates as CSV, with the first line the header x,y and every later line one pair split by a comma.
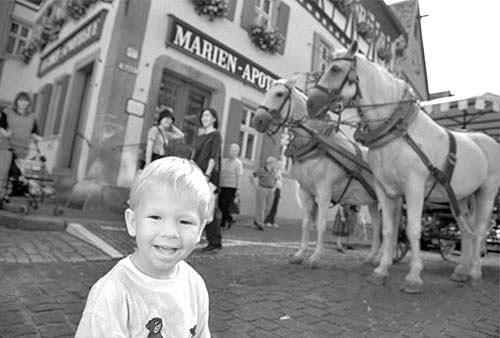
x,y
213,8
267,39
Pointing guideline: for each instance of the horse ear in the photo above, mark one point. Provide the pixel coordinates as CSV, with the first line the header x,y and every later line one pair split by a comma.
x,y
291,82
354,47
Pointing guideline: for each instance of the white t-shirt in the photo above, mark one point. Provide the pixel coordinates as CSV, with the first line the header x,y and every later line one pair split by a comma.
x,y
231,171
128,303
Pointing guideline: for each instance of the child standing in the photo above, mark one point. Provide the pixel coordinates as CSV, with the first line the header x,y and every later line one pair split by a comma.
x,y
231,171
154,291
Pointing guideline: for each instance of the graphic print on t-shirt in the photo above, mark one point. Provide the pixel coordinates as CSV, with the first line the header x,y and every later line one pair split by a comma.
x,y
155,325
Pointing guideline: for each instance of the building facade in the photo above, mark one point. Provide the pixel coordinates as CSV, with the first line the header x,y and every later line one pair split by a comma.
x,y
100,70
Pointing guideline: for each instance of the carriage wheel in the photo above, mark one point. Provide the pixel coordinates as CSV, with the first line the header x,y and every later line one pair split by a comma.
x,y
23,209
446,248
58,211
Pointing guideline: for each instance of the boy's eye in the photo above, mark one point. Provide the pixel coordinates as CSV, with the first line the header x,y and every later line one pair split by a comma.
x,y
186,222
155,217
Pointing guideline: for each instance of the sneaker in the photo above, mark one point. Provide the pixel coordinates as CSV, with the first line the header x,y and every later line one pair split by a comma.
x,y
258,225
269,225
275,225
211,248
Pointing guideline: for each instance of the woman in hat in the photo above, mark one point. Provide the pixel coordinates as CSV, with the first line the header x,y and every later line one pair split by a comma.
x,y
160,134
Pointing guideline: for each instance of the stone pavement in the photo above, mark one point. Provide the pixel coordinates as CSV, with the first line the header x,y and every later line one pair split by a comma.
x,y
254,292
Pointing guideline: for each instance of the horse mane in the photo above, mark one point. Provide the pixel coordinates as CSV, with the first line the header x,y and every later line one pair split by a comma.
x,y
394,87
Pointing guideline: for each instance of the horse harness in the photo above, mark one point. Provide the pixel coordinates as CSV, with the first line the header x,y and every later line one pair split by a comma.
x,y
396,126
302,148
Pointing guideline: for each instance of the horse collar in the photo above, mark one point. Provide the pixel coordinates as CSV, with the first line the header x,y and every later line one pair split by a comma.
x,y
392,128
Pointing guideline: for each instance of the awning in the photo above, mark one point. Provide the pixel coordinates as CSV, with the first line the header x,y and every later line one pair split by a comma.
x,y
480,113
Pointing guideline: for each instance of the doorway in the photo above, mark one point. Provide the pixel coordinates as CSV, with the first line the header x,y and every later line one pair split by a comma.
x,y
187,99
74,126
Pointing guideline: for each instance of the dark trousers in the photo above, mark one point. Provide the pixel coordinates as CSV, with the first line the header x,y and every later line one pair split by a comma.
x,y
274,208
212,230
226,197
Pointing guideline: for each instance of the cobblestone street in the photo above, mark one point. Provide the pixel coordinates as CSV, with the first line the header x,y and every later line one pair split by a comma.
x,y
254,291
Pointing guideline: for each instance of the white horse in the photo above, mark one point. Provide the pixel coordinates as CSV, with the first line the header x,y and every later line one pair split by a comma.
x,y
320,178
402,139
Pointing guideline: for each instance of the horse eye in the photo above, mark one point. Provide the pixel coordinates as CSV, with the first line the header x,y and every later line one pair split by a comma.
x,y
334,69
280,94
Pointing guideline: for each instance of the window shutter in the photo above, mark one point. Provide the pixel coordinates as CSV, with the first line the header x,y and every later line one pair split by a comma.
x,y
60,105
315,52
233,123
282,22
42,118
248,14
231,8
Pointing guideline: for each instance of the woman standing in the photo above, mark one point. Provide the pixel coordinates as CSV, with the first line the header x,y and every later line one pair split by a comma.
x,y
160,134
18,129
206,155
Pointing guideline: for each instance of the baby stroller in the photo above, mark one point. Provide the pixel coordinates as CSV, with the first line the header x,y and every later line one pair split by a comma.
x,y
29,184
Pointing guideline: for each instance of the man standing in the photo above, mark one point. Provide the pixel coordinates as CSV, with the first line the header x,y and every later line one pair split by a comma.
x,y
264,181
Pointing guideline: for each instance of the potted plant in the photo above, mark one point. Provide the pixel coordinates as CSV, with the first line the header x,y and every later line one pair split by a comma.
x,y
76,9
27,52
384,54
213,8
267,39
364,30
343,6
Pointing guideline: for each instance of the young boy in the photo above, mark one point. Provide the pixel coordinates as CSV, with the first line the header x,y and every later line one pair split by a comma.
x,y
154,292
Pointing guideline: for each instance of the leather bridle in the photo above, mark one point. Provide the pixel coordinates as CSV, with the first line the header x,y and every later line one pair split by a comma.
x,y
337,103
276,113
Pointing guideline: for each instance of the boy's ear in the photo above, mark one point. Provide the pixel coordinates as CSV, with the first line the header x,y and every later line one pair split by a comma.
x,y
200,231
130,221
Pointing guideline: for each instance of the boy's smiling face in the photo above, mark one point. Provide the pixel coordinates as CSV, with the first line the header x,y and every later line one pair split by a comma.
x,y
167,227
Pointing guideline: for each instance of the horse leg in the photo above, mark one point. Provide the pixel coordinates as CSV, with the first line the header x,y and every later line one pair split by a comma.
x,y
308,216
375,246
414,204
313,261
460,274
469,268
379,275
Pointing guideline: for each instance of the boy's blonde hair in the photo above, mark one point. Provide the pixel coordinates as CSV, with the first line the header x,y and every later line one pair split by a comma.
x,y
182,177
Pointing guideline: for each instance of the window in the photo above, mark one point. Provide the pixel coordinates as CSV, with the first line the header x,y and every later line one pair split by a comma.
x,y
324,56
263,9
248,135
17,39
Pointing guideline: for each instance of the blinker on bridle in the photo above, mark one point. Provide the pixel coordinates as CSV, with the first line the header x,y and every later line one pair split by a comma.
x,y
336,102
276,113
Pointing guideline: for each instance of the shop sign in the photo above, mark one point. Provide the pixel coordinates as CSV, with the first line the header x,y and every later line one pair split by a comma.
x,y
191,41
74,43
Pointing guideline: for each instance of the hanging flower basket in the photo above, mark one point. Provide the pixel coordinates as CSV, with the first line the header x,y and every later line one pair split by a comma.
x,y
213,8
27,52
384,54
364,30
267,39
344,6
76,9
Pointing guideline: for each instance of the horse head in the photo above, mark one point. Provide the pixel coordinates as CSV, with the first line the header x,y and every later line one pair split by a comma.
x,y
276,108
353,81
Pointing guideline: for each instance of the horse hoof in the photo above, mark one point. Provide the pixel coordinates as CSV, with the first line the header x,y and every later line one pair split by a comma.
x,y
312,264
459,277
296,260
371,261
474,281
411,286
377,279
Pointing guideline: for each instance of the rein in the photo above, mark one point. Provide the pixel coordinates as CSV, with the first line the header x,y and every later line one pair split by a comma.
x,y
394,127
277,112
